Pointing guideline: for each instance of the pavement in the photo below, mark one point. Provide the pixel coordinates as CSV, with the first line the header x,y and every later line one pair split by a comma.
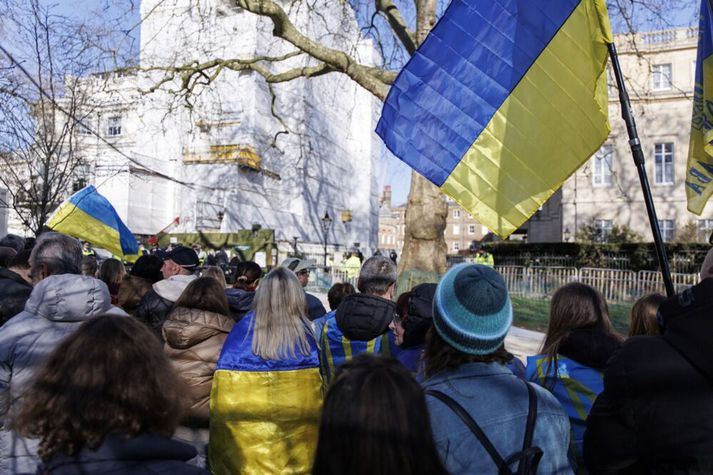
x,y
519,341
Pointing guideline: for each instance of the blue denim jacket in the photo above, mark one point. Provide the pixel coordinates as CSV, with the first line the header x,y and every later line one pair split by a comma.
x,y
498,402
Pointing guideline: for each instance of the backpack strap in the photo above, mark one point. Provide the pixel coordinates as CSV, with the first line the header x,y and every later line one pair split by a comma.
x,y
529,458
472,425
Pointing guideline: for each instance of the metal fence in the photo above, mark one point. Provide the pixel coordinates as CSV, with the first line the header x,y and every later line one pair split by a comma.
x,y
541,282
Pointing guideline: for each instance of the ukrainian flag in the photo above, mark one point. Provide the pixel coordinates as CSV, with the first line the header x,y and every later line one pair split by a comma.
x,y
503,101
264,414
89,216
699,174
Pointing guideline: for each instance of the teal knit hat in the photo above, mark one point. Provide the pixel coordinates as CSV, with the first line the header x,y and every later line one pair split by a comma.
x,y
472,310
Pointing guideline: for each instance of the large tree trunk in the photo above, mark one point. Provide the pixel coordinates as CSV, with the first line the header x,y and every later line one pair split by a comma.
x,y
424,245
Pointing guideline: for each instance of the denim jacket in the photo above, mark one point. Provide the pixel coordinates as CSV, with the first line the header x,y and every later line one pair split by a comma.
x,y
498,402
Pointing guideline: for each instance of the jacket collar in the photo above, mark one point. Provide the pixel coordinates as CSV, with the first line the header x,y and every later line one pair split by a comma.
x,y
14,276
466,371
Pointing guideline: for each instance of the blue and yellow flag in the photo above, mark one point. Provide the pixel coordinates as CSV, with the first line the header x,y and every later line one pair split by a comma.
x,y
502,102
89,216
699,174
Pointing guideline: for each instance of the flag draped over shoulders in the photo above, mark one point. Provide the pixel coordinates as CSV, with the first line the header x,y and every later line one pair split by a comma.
x,y
89,216
699,172
503,101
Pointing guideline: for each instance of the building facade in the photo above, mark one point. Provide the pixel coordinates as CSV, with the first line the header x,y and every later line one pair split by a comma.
x,y
237,153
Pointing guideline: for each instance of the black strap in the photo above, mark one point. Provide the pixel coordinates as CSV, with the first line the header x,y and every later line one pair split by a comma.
x,y
529,457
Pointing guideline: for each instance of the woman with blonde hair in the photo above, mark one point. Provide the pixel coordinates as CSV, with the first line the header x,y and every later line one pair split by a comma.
x,y
266,396
579,341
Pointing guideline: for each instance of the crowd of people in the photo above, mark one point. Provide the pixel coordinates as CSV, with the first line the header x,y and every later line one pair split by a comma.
x,y
168,368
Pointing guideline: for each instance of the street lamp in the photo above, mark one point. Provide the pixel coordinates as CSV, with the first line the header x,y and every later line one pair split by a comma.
x,y
567,234
326,224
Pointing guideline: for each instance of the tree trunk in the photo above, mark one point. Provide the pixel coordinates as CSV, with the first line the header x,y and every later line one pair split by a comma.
x,y
425,247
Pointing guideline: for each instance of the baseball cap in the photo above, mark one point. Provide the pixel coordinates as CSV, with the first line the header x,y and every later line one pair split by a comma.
x,y
183,256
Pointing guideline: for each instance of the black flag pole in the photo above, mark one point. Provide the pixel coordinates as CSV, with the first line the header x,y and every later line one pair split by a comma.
x,y
639,161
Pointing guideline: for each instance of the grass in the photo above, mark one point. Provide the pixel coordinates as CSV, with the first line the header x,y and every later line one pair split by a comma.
x,y
533,314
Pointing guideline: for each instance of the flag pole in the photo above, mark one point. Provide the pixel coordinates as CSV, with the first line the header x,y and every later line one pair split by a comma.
x,y
638,155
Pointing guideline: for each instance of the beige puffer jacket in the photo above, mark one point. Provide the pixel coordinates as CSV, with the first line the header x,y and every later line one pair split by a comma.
x,y
194,339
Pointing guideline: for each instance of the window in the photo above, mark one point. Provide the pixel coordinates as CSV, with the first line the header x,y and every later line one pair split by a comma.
x,y
705,226
456,213
667,227
603,229
113,126
471,229
456,246
663,163
661,77
456,229
602,175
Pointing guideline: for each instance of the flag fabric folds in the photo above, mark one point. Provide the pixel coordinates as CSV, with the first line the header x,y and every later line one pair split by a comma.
x,y
503,101
264,414
89,216
699,172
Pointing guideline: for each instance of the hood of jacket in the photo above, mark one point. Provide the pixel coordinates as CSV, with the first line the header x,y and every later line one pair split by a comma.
x,y
688,324
186,327
364,317
69,298
589,346
13,276
173,287
239,301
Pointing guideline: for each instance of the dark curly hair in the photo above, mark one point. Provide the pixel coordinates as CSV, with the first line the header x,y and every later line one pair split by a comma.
x,y
110,376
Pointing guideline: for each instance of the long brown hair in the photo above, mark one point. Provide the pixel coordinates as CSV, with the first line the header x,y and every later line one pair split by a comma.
x,y
439,356
643,315
575,305
110,376
204,293
111,271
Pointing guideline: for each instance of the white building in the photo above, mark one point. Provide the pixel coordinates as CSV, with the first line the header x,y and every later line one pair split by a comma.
x,y
233,158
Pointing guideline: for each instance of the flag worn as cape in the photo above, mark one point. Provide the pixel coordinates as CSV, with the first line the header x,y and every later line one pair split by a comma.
x,y
503,101
89,216
699,171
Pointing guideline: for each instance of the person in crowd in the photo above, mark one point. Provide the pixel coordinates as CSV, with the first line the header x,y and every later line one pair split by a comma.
x,y
89,266
6,255
194,332
579,341
112,272
87,250
221,258
375,421
13,241
361,322
216,273
240,296
200,253
178,270
483,257
266,393
302,269
60,301
465,364
15,286
145,272
643,315
655,414
350,265
337,292
393,257
413,319
92,419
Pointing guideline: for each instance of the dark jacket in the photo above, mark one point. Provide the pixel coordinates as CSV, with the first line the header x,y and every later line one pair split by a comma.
x,y
14,292
655,414
131,292
315,309
364,317
157,302
239,302
145,454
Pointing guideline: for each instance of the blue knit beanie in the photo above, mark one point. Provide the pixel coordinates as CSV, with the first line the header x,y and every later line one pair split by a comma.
x,y
472,310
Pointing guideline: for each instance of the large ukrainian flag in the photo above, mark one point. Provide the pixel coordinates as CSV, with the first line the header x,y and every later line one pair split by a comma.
x,y
699,174
89,216
503,101
264,414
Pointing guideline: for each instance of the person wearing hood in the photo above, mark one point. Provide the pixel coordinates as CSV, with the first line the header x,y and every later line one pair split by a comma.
x,y
655,414
240,296
178,269
361,322
15,286
414,317
60,301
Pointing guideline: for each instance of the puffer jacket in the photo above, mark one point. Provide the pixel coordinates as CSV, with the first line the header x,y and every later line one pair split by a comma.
x,y
194,339
131,292
57,306
14,292
157,302
239,302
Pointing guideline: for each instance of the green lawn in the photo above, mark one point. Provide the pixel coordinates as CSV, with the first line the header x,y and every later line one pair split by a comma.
x,y
534,313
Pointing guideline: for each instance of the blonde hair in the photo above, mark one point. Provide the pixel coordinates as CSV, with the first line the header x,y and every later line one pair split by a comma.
x,y
281,323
